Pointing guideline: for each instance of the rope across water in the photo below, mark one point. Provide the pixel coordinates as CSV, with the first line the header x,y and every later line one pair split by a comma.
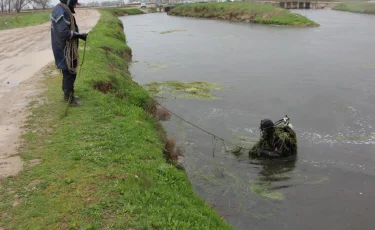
x,y
215,137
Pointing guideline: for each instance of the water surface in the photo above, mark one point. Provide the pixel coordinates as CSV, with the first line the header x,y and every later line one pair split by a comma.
x,y
322,77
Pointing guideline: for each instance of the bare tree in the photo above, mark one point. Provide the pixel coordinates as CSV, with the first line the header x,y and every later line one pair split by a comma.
x,y
2,6
8,3
19,4
41,3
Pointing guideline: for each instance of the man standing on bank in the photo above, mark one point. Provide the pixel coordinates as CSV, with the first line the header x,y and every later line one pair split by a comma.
x,y
65,35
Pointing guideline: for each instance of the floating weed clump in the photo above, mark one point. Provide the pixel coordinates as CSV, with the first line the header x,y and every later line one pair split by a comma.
x,y
243,143
261,188
171,31
195,90
156,67
275,177
318,180
368,66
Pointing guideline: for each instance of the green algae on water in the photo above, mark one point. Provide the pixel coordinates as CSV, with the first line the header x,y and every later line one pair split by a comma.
x,y
261,188
157,67
193,90
241,144
368,66
318,180
171,31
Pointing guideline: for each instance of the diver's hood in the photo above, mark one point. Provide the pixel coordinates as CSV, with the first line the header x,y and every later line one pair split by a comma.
x,y
266,124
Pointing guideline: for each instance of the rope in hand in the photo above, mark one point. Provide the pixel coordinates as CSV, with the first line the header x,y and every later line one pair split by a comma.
x,y
215,137
83,58
71,47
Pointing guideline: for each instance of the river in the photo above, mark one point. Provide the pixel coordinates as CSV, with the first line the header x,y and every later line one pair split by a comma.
x,y
322,78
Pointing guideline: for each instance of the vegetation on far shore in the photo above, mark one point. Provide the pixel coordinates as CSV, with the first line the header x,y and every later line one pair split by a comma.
x,y
123,11
16,20
364,8
243,11
100,166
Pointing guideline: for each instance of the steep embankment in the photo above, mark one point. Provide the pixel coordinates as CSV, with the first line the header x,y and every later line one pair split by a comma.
x,y
243,11
100,166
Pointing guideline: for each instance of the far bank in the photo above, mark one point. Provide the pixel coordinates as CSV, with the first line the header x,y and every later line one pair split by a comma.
x,y
243,11
363,8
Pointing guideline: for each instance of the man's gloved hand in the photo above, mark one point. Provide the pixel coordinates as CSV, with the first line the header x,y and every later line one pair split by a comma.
x,y
82,36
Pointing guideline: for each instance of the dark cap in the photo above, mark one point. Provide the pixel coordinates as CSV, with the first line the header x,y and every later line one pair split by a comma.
x,y
70,2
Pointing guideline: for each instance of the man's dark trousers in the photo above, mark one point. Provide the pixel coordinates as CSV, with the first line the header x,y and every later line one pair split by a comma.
x,y
68,84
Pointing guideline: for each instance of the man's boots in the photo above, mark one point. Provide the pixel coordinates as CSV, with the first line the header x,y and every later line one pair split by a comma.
x,y
72,100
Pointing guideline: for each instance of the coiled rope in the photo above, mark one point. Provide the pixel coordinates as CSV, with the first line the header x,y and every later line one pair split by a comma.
x,y
71,47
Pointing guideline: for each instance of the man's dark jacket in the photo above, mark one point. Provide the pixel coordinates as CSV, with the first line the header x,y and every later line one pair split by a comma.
x,y
60,32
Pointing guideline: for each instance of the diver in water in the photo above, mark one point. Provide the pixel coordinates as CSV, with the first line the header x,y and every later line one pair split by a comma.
x,y
277,139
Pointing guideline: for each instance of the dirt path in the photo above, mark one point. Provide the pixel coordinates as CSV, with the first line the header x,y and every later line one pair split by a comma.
x,y
23,53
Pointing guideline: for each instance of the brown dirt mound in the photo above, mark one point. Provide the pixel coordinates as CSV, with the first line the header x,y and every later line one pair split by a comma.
x,y
103,87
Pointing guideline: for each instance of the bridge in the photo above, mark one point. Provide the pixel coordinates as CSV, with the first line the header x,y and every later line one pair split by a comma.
x,y
297,4
166,7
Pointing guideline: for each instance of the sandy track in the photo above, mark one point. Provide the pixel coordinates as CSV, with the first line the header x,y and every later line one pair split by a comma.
x,y
23,53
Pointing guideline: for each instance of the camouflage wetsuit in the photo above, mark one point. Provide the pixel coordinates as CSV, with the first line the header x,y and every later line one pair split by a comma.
x,y
278,141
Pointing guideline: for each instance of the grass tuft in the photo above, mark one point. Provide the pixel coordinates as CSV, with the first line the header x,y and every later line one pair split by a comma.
x,y
163,114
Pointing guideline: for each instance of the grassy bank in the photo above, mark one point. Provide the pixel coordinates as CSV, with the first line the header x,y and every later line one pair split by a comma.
x,y
14,20
243,11
364,8
123,11
101,166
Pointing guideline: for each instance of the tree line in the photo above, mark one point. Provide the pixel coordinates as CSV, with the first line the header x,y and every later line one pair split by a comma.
x,y
18,5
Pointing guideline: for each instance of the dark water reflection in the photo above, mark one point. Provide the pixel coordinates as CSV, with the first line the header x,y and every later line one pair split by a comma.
x,y
323,78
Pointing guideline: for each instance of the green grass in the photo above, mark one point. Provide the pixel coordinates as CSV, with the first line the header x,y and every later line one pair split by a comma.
x,y
16,20
243,11
124,11
365,8
102,164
